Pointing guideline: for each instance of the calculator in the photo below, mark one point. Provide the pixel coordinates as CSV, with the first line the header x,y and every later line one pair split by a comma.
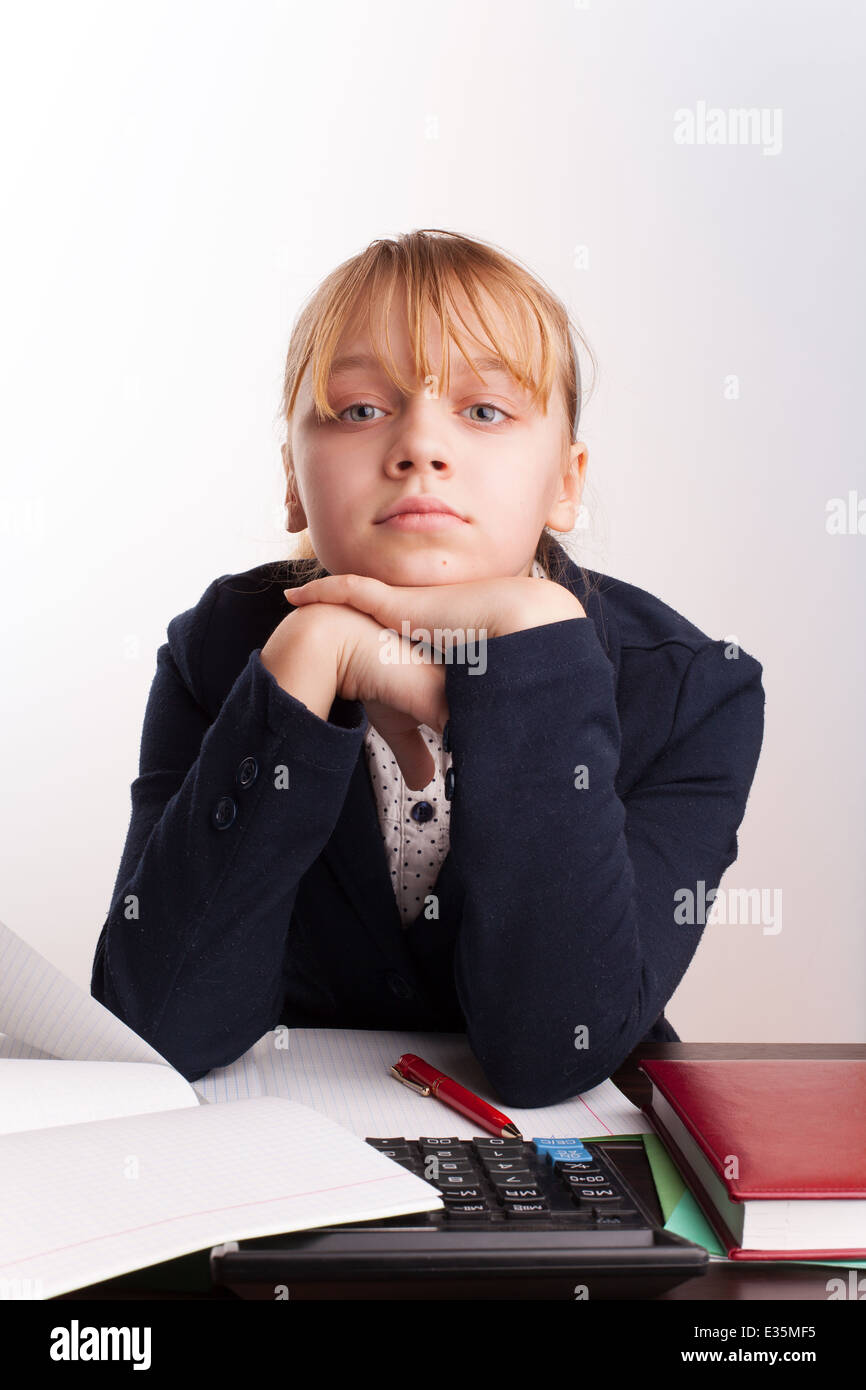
x,y
541,1218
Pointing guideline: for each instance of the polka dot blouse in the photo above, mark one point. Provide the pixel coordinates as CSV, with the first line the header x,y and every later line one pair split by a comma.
x,y
414,823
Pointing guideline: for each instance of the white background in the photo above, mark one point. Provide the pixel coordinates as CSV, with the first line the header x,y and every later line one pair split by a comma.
x,y
177,177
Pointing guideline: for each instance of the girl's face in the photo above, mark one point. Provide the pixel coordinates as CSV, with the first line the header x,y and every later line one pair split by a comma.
x,y
480,447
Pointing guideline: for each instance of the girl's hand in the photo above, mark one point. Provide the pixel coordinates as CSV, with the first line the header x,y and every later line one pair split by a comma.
x,y
491,607
398,695
333,650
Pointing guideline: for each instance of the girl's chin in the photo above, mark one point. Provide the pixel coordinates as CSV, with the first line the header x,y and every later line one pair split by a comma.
x,y
429,573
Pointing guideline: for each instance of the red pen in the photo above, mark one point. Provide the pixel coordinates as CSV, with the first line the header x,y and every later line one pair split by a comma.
x,y
426,1080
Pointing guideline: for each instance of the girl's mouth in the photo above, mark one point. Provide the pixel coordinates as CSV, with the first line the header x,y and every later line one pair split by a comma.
x,y
422,521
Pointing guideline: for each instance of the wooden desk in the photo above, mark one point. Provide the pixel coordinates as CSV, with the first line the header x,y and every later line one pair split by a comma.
x,y
187,1278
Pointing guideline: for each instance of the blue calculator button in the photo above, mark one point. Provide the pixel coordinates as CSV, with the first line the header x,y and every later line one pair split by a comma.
x,y
570,1150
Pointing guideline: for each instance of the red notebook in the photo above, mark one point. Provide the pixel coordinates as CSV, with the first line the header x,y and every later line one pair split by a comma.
x,y
773,1151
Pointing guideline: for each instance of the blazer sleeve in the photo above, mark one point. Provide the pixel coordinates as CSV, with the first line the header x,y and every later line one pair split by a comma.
x,y
227,815
570,916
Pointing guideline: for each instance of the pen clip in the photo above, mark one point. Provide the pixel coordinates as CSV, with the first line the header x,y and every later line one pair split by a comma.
x,y
422,1090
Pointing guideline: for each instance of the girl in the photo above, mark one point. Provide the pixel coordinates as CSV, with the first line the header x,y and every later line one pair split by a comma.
x,y
341,820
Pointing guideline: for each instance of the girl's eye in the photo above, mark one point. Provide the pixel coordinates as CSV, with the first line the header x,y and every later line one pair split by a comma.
x,y
360,405
486,405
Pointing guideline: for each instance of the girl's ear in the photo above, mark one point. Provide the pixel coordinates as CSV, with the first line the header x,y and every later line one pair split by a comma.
x,y
563,514
296,520
579,459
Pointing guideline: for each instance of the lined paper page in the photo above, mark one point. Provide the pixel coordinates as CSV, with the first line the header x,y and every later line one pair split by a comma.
x,y
344,1073
40,1007
88,1202
13,1047
240,1081
36,1094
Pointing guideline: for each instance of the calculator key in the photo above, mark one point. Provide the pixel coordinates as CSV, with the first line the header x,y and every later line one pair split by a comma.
x,y
569,1155
590,1201
529,1193
427,1142
516,1211
562,1167
453,1152
477,1211
492,1166
490,1141
448,1165
387,1143
397,1151
585,1179
552,1149
503,1180
617,1218
498,1148
468,1189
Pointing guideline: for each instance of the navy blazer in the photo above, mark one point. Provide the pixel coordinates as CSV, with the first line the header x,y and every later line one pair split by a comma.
x,y
242,903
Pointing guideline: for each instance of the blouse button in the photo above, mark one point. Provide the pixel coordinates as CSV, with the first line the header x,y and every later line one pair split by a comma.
x,y
446,736
449,783
421,811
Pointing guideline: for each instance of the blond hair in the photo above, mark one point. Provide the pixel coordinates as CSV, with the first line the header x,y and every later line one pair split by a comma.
x,y
429,263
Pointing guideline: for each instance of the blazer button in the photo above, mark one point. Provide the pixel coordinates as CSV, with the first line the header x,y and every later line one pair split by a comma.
x,y
398,985
446,736
421,811
247,772
449,784
223,813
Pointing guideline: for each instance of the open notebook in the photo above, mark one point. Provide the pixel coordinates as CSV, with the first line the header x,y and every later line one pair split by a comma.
x,y
111,1161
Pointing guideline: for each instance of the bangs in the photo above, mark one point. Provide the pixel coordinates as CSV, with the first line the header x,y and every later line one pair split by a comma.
x,y
455,279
